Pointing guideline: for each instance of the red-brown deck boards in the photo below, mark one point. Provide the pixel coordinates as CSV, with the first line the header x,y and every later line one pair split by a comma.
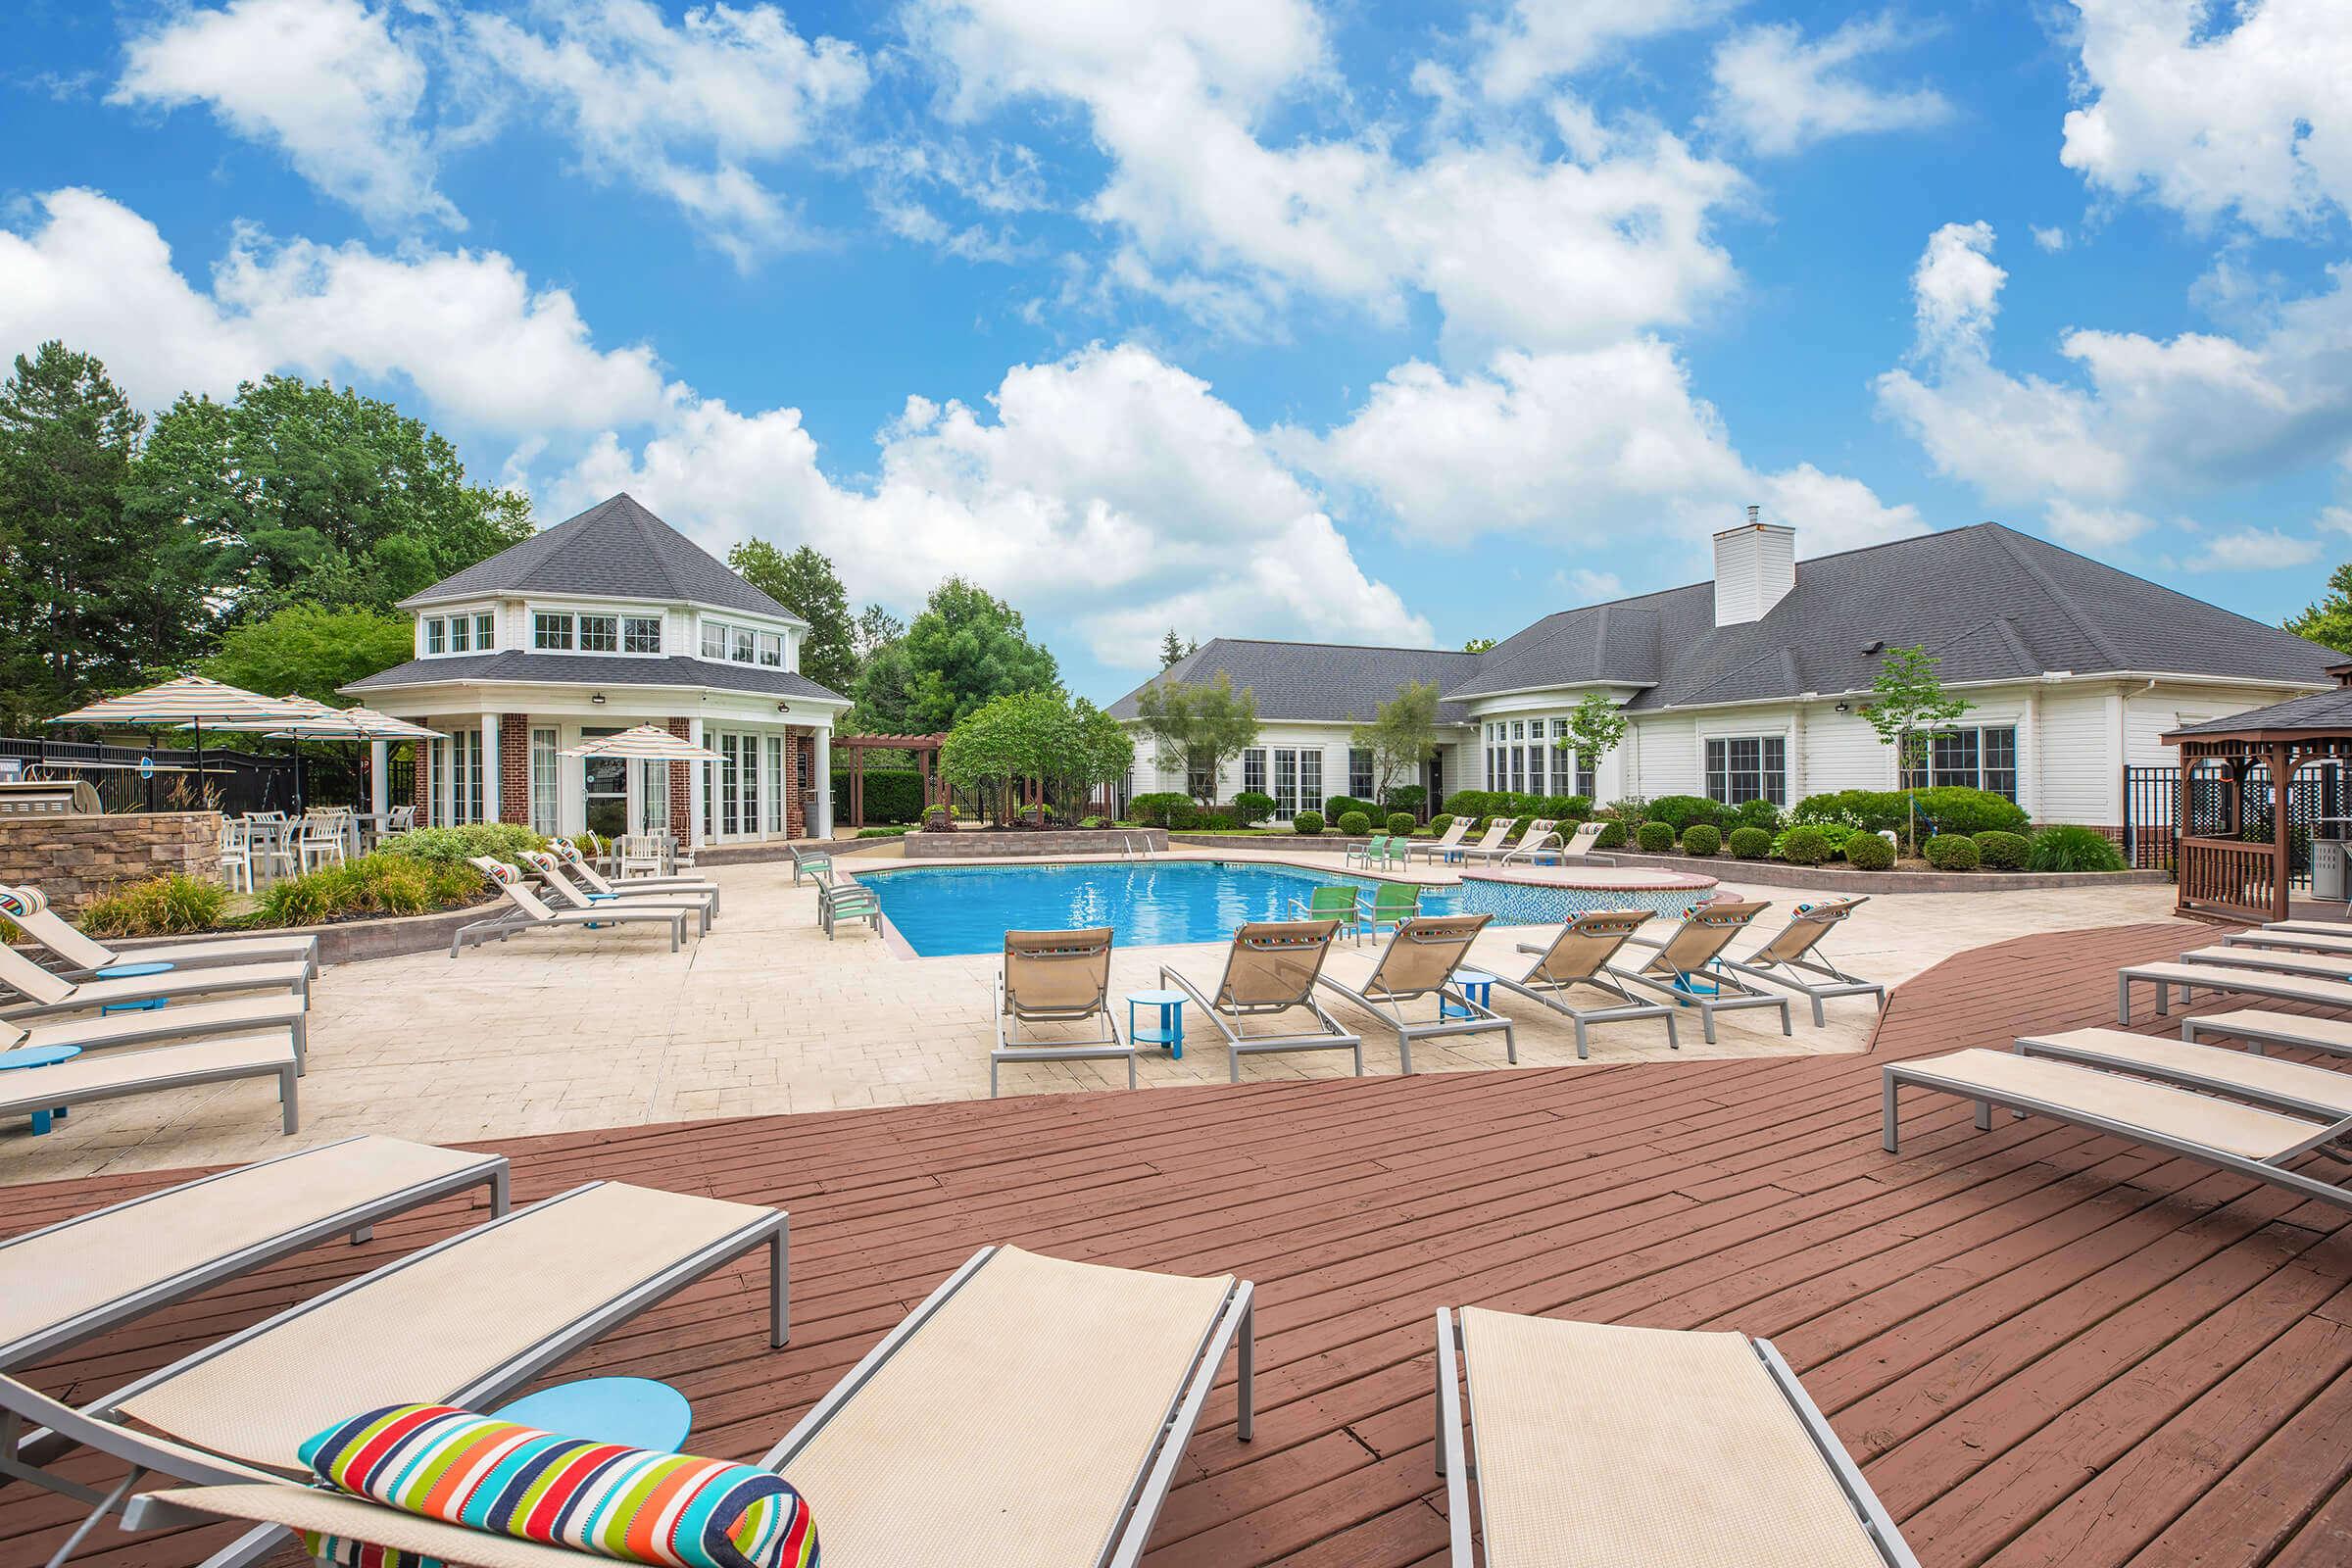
x,y
2046,1346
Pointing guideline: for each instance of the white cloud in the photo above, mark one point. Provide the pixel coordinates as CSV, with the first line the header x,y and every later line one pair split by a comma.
x,y
2082,527
1589,587
2209,118
2254,550
1781,92
2053,239
1538,41
324,81
1513,246
683,111
2147,415
1574,450
2336,520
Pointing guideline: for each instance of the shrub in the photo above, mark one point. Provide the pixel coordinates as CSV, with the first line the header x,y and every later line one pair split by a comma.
x,y
1408,797
2002,851
1505,802
1679,811
1749,843
1339,805
1654,838
2073,849
1805,846
1702,838
1158,809
1867,851
1093,821
1252,807
1612,836
892,793
1438,823
1755,813
1356,824
894,831
379,884
1954,809
166,905
1951,851
1633,811
1874,810
454,846
1309,824
1403,823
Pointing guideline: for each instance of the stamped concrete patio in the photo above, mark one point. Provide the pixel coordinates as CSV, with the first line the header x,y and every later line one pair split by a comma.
x,y
570,1032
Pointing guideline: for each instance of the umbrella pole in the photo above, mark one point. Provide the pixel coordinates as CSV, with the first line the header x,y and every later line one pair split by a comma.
x,y
298,778
200,764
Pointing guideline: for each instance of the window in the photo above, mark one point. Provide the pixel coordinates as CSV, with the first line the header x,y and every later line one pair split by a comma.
x,y
741,649
772,650
550,629
1359,772
460,630
640,634
543,781
456,772
600,634
1984,758
485,632
775,791
1254,770
1310,780
715,639
1286,782
436,635
1199,780
1748,767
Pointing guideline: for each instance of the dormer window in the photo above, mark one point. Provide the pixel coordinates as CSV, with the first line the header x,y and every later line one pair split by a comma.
x,y
436,635
551,630
640,634
772,650
600,634
460,634
742,645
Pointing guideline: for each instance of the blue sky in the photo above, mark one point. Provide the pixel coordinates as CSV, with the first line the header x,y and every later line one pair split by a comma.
x,y
1353,322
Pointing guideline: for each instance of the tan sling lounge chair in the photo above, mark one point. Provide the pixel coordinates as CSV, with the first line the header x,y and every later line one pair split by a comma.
x,y
1602,1446
576,865
1580,844
570,895
66,1282
1439,848
2260,1029
1686,967
281,1016
1270,969
526,911
1579,955
1794,959
85,955
2246,1139
467,1322
2168,977
1418,965
39,1092
1055,977
42,993
2288,1086
1489,842
1541,838
2339,940
2316,965
1030,1413
1537,832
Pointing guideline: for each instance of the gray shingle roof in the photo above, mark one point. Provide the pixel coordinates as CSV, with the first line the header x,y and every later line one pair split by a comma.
x,y
616,549
2320,710
1991,603
1317,680
593,669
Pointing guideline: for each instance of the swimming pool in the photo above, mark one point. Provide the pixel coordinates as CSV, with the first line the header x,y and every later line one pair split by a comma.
x,y
968,909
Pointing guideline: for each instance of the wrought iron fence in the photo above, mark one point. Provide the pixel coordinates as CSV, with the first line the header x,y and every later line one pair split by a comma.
x,y
2152,802
235,781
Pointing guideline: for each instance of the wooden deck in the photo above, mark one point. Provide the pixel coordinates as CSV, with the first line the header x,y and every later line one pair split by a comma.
x,y
2046,1346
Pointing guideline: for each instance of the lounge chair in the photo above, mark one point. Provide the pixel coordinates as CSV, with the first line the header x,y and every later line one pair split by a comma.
x,y
1579,955
1340,902
1270,969
2339,940
1535,840
2260,1030
467,1322
839,902
283,1017
1580,844
1794,959
42,1092
1416,966
1489,842
1688,969
1439,849
549,872
2317,928
84,956
1392,903
524,911
577,866
100,1270
2316,965
2245,1139
1375,848
2288,1086
1030,1410
44,993
2168,976
807,861
1055,977
1604,1443
1536,830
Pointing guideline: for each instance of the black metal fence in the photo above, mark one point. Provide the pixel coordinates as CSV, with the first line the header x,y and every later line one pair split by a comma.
x,y
2153,805
233,781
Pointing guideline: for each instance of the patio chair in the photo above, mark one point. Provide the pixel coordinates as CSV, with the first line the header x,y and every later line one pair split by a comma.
x,y
42,1092
1605,1443
2292,1087
1340,902
1392,903
1538,840
1794,959
2260,1029
2317,965
839,902
1580,844
467,1322
1418,964
284,1017
640,855
403,819
2339,940
100,1270
1375,848
318,842
1437,849
236,855
1686,967
1055,977
2250,1140
1579,955
46,995
1490,843
577,866
270,843
524,911
82,955
808,860
549,872
1030,1409
1271,969
2168,977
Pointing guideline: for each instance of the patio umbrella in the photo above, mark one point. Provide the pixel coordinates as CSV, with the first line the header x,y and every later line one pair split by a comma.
x,y
646,743
194,700
320,722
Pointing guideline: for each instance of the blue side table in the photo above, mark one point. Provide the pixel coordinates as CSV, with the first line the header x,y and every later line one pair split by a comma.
x,y
1170,1032
131,971
40,1056
1476,984
634,1412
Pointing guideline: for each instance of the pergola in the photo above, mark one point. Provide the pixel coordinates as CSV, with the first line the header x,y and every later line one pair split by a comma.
x,y
926,761
2233,877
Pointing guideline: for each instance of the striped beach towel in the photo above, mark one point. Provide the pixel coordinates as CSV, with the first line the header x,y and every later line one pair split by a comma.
x,y
668,1510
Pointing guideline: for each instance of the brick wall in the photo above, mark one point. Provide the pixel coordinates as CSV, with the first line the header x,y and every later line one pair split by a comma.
x,y
681,784
420,791
514,768
72,860
799,762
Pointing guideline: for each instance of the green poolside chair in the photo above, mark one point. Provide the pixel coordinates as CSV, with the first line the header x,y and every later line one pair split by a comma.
x,y
1392,903
1332,903
1376,847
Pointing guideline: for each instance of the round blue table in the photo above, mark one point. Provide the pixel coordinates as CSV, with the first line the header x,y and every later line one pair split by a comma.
x,y
40,1056
131,971
1170,1032
634,1412
1476,984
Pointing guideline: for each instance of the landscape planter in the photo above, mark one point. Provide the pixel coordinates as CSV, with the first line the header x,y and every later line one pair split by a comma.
x,y
1836,875
1023,844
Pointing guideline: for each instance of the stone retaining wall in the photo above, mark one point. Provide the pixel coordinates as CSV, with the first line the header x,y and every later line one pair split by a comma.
x,y
1027,845
73,860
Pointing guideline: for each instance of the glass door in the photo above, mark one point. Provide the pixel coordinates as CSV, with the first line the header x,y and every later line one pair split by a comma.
x,y
604,791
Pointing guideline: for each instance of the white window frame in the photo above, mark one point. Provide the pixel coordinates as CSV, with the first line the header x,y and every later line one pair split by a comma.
x,y
436,634
1764,773
1930,774
543,621
485,631
608,623
632,625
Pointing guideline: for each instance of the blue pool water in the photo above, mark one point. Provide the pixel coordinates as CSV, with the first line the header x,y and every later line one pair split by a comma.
x,y
968,909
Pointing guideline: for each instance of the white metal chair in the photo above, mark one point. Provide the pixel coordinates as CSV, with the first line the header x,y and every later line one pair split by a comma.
x,y
639,855
271,849
318,841
236,855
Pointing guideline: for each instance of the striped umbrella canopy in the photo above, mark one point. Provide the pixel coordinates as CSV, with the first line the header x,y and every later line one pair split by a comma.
x,y
196,700
320,722
646,743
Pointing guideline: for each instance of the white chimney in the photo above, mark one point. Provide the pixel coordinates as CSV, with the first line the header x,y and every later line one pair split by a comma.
x,y
1755,566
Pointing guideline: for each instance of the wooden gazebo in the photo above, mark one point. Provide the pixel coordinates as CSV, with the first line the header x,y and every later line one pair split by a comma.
x,y
926,761
2221,873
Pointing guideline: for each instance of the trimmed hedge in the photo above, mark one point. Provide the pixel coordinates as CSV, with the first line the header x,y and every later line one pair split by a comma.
x,y
1947,808
1950,851
891,795
1308,823
1654,838
1867,851
1805,846
1339,805
1403,823
2002,851
2073,849
1755,813
1504,803
1356,824
1438,823
1164,809
1252,807
1680,811
1749,843
1702,838
455,846
1612,836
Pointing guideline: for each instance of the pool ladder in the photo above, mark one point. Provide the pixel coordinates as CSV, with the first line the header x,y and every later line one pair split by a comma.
x,y
1127,848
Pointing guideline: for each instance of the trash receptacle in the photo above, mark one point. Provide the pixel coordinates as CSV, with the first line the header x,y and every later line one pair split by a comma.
x,y
2327,870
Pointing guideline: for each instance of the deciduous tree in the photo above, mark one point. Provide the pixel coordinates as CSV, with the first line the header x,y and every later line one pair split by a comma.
x,y
312,651
2329,622
1402,735
966,648
1198,728
804,583
1909,708
1595,728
